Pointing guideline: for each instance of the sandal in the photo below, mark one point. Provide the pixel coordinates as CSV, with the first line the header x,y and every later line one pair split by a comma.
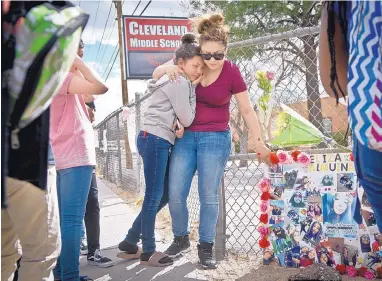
x,y
158,259
127,256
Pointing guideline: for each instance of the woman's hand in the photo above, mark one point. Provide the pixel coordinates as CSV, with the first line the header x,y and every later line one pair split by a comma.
x,y
179,130
263,153
197,81
173,71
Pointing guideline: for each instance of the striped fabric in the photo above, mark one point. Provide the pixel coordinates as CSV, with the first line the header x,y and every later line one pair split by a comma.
x,y
365,72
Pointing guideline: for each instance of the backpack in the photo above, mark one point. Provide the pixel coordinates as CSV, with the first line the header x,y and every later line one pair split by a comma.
x,y
46,46
365,73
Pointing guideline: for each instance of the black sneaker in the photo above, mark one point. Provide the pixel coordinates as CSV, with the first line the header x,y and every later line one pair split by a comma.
x,y
179,245
97,259
206,256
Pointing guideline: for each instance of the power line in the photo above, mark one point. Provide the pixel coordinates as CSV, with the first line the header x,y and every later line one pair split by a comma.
x,y
104,29
136,7
111,32
145,7
115,58
116,46
115,49
95,20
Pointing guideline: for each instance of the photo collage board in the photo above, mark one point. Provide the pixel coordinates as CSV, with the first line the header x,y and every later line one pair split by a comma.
x,y
311,217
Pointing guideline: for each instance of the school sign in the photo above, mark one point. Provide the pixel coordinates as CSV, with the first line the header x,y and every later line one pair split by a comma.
x,y
150,42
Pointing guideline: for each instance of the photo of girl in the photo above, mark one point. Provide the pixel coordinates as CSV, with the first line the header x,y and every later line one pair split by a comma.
x,y
290,229
346,256
335,256
293,216
377,244
292,257
313,191
324,257
290,178
297,200
303,183
293,231
276,219
338,208
272,220
268,257
305,224
327,180
276,169
277,207
277,193
307,256
314,234
365,243
279,240
368,217
314,211
295,239
345,182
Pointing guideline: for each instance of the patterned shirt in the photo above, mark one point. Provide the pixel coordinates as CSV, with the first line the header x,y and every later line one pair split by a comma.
x,y
365,71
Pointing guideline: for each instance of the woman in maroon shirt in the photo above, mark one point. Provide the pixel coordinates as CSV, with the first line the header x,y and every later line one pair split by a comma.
x,y
206,144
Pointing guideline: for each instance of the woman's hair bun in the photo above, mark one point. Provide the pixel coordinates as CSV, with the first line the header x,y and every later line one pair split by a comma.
x,y
204,24
189,38
217,19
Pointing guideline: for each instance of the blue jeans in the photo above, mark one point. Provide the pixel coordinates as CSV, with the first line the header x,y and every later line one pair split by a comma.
x,y
208,153
72,192
155,153
368,165
83,233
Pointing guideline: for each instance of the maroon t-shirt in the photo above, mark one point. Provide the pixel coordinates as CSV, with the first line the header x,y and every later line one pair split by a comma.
x,y
212,102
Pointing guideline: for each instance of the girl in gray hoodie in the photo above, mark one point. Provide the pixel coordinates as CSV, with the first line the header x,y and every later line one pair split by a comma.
x,y
170,103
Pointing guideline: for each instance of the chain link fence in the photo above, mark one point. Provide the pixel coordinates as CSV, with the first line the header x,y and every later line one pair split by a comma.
x,y
293,58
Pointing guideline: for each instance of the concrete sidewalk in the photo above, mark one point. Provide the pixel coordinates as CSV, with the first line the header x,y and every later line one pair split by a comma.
x,y
116,218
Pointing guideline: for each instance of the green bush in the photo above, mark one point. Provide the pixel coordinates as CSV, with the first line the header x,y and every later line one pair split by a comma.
x,y
237,147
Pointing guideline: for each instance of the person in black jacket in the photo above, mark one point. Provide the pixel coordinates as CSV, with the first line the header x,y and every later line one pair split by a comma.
x,y
29,214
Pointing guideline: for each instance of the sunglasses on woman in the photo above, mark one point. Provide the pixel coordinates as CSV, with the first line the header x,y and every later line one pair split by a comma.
x,y
216,56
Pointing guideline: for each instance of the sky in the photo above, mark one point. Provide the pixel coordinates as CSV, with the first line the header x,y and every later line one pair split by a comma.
x,y
100,43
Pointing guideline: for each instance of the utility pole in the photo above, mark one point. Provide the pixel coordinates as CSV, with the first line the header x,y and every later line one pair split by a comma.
x,y
125,95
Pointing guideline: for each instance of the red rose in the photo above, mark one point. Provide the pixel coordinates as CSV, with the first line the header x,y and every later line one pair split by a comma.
x,y
294,154
265,196
264,218
264,243
351,157
274,158
361,271
341,268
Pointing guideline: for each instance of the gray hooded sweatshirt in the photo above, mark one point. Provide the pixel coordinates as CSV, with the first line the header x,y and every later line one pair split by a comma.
x,y
168,102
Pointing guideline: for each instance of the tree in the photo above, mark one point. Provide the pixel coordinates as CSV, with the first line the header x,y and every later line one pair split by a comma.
x,y
253,19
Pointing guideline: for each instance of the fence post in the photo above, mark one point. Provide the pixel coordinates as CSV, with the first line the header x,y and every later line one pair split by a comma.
x,y
220,239
107,152
137,130
119,150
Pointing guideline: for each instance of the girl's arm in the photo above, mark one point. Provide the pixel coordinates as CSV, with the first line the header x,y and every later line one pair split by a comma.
x,y
252,122
90,84
168,68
